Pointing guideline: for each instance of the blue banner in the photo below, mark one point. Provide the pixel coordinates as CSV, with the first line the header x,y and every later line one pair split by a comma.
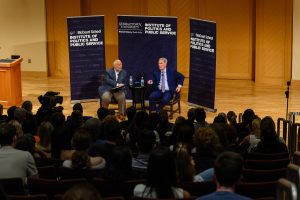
x,y
202,63
86,55
143,40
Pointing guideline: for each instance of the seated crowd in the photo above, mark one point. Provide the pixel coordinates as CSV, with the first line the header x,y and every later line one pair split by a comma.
x,y
189,150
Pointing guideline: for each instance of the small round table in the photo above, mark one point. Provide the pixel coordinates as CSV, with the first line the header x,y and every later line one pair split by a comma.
x,y
138,94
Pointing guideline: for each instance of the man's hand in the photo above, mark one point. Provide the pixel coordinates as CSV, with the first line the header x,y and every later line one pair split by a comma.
x,y
120,84
178,89
150,82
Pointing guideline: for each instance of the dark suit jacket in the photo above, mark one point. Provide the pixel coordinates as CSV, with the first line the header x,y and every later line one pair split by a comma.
x,y
110,82
174,79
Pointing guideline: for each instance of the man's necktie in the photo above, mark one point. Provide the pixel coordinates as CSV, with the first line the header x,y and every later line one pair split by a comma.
x,y
163,79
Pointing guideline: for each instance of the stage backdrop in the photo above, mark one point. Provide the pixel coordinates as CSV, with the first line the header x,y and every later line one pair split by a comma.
x,y
202,63
86,55
143,40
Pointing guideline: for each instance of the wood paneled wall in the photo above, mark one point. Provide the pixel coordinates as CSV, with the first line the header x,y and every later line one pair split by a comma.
x,y
273,41
253,36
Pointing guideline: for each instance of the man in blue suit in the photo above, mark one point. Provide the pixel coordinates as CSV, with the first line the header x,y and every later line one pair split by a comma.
x,y
165,82
114,85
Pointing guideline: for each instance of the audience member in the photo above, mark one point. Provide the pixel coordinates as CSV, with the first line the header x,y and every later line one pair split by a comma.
x,y
27,105
43,142
29,125
120,168
82,192
10,113
270,142
161,177
130,112
200,117
185,165
208,147
17,126
13,162
244,128
228,169
164,128
57,142
80,159
145,142
102,113
112,133
92,126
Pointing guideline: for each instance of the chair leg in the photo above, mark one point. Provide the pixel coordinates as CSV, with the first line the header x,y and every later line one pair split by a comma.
x,y
179,108
171,111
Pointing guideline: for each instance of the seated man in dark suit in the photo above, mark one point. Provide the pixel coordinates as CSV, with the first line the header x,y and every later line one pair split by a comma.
x,y
113,85
165,82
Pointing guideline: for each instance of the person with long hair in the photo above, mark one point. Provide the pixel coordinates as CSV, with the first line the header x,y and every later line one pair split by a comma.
x,y
161,177
80,159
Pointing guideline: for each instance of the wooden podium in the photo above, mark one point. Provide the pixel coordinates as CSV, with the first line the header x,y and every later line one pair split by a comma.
x,y
10,82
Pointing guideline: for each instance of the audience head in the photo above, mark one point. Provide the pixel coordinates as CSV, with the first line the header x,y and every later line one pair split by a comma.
x,y
220,119
163,117
231,117
45,131
18,127
112,129
146,141
228,169
27,105
20,114
82,192
102,113
221,131
184,163
58,119
10,112
200,115
191,115
121,165
153,120
256,127
92,125
81,141
78,106
141,119
8,134
76,117
26,143
182,131
267,129
248,116
130,112
207,140
161,172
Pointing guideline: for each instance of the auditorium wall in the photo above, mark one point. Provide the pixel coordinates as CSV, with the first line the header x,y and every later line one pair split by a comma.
x,y
23,32
296,41
253,37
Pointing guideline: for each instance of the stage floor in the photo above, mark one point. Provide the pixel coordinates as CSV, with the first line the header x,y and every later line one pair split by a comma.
x,y
236,95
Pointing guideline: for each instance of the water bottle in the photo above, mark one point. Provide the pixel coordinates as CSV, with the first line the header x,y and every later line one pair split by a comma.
x,y
142,82
130,81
